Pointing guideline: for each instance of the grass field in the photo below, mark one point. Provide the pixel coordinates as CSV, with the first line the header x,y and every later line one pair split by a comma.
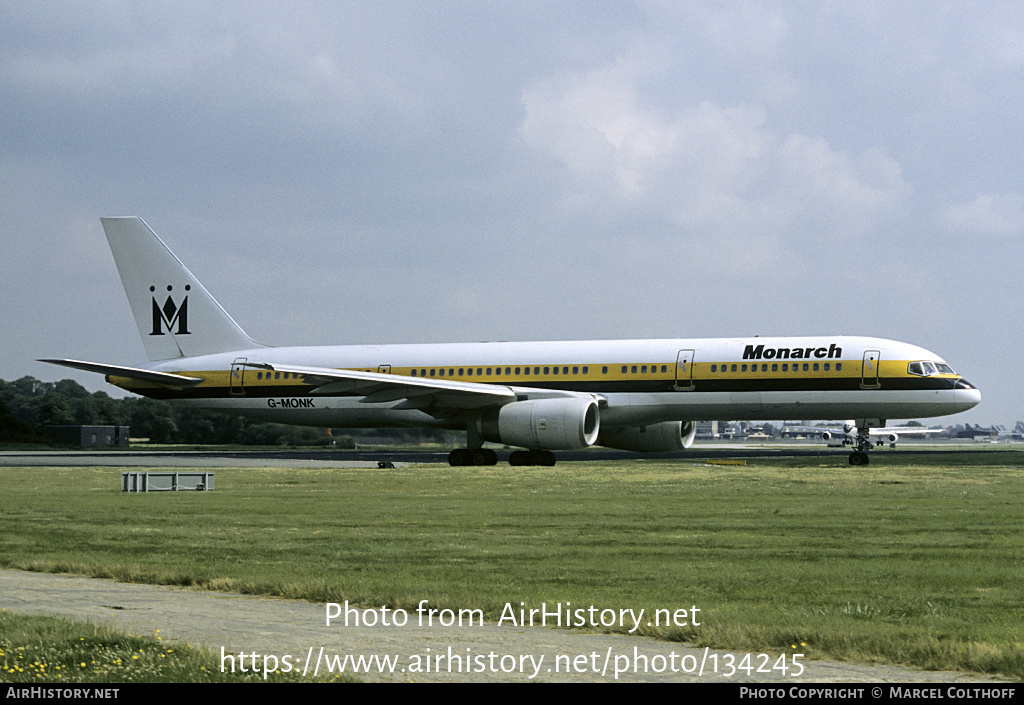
x,y
905,561
46,649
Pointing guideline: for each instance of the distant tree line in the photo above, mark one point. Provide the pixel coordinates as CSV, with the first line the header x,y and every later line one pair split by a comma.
x,y
27,405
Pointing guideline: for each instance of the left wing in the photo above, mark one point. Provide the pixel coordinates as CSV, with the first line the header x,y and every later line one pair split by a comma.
x,y
379,387
165,378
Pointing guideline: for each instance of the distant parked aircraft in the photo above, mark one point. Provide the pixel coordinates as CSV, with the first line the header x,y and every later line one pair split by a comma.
x,y
847,434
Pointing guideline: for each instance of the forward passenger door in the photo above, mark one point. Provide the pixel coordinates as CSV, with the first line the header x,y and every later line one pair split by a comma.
x,y
869,370
684,370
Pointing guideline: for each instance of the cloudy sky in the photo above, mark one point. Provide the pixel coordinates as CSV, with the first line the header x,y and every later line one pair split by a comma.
x,y
456,171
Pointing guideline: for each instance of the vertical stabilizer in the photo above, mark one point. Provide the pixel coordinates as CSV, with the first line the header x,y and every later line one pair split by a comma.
x,y
176,316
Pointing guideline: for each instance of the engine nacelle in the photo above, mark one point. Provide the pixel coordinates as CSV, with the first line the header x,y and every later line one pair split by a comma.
x,y
892,437
544,424
654,438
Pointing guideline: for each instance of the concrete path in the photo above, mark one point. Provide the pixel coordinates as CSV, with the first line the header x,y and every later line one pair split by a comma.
x,y
295,629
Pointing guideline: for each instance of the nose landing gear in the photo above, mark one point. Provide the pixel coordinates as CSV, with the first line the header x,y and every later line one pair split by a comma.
x,y
863,443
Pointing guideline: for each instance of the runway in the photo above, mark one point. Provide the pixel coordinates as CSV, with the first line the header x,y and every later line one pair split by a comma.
x,y
139,457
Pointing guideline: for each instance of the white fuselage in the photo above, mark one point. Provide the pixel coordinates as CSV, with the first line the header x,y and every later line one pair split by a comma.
x,y
639,381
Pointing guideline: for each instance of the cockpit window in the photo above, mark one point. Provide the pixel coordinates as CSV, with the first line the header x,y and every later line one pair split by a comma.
x,y
924,368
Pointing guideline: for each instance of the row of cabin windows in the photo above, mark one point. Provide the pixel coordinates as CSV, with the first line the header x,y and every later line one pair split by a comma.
x,y
554,370
490,371
276,375
796,367
643,369
527,371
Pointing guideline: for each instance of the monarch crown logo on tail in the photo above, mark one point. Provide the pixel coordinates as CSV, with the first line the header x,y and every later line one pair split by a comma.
x,y
170,314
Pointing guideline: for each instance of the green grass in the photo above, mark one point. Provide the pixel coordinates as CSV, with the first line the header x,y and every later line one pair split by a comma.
x,y
43,649
904,561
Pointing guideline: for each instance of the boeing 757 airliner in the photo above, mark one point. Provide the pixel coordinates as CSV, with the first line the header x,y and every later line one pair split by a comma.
x,y
638,395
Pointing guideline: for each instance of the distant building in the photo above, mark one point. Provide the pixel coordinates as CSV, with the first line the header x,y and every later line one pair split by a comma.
x,y
707,430
89,436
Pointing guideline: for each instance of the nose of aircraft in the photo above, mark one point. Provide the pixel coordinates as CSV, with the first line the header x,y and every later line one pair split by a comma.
x,y
967,395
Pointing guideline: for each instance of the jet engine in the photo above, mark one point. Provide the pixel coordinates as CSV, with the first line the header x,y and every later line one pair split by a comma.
x,y
544,424
663,437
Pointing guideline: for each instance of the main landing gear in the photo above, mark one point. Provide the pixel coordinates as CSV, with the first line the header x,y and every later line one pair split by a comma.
x,y
484,456
476,454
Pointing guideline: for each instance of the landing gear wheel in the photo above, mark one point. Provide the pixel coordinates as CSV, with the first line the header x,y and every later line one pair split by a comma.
x,y
482,456
532,457
859,458
461,457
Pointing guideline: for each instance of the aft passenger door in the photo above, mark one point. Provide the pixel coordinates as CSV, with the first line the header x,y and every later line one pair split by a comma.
x,y
236,380
684,370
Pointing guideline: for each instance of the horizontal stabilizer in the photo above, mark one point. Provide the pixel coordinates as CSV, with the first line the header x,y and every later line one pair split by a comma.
x,y
172,380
